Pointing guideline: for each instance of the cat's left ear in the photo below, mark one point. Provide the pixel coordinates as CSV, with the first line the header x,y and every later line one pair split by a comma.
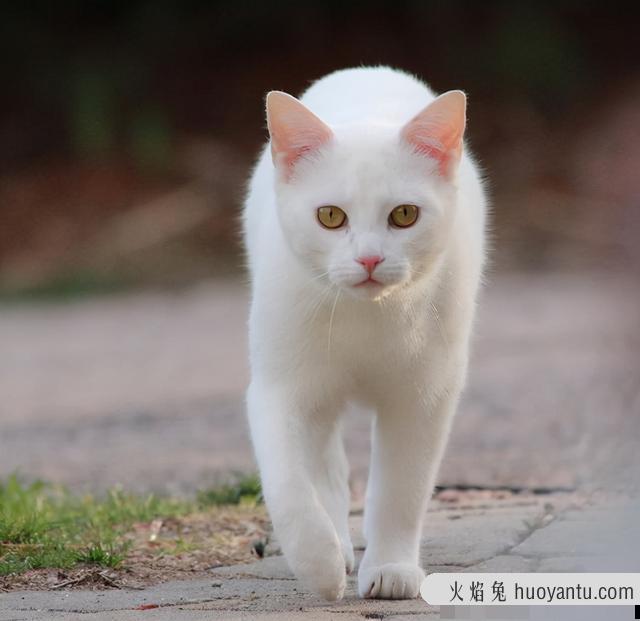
x,y
437,131
295,131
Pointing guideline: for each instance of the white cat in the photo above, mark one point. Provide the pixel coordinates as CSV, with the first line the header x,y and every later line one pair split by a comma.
x,y
364,226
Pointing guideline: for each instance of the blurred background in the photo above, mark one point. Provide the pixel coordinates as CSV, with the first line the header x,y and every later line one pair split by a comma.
x,y
127,131
127,128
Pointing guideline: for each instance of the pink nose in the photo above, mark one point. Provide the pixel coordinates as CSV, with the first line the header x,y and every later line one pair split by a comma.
x,y
370,262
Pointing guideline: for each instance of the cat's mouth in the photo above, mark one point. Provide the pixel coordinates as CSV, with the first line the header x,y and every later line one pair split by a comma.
x,y
369,289
369,282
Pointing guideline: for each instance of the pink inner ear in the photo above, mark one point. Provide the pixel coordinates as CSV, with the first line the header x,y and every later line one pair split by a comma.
x,y
295,131
437,131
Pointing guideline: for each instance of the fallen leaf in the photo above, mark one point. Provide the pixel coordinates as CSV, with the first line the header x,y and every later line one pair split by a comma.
x,y
156,525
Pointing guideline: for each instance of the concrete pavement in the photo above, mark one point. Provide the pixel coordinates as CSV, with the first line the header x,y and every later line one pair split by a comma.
x,y
466,531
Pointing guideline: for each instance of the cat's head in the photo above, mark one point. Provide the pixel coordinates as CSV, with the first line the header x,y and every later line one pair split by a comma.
x,y
369,207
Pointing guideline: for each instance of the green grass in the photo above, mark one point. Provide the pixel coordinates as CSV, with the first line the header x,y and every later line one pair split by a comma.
x,y
244,489
42,525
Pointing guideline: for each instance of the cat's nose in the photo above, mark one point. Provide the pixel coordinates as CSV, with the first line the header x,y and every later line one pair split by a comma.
x,y
370,262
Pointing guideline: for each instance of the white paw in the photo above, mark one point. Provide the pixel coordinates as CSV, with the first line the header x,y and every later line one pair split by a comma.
x,y
325,576
390,581
320,568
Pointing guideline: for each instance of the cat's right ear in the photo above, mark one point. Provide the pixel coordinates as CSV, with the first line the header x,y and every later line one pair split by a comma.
x,y
295,131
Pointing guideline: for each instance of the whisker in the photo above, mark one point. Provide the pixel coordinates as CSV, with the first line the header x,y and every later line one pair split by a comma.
x,y
333,310
320,302
280,277
443,334
319,276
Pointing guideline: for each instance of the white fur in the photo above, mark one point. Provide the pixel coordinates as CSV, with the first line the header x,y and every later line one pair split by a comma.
x,y
317,343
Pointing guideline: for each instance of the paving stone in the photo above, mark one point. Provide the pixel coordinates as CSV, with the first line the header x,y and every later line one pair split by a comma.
x,y
476,536
270,567
563,564
509,563
567,538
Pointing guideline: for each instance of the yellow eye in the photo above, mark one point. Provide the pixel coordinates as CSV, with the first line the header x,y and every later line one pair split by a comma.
x,y
403,216
331,217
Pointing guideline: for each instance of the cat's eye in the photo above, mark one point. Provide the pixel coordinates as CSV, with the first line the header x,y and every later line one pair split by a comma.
x,y
331,217
403,216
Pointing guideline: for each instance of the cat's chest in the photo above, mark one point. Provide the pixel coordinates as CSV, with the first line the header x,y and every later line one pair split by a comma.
x,y
357,342
344,344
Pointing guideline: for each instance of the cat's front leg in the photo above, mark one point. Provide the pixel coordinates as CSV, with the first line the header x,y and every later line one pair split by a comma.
x,y
331,479
288,445
408,441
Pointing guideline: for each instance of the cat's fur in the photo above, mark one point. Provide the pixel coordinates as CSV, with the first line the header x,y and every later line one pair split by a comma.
x,y
317,342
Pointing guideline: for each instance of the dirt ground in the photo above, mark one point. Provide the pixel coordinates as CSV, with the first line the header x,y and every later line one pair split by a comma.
x,y
163,550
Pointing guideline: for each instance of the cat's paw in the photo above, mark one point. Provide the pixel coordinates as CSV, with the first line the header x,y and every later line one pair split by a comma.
x,y
320,565
390,581
324,575
311,546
